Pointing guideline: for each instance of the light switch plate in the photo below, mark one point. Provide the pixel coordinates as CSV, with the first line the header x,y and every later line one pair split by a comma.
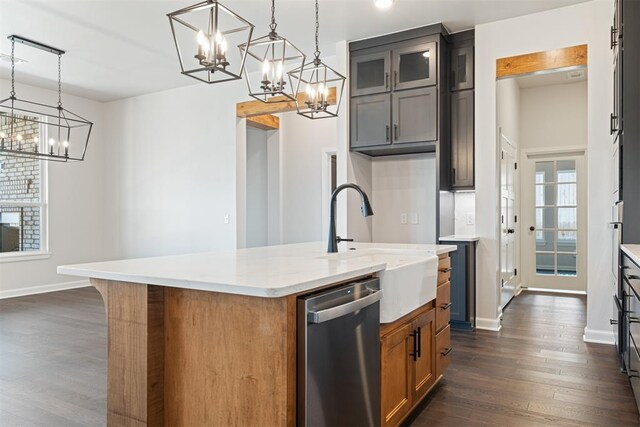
x,y
403,218
470,219
227,219
414,218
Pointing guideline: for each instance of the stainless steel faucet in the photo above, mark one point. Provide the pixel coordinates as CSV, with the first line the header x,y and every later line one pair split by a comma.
x,y
365,207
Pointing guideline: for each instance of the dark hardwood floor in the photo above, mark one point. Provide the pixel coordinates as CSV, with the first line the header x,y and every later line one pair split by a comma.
x,y
536,371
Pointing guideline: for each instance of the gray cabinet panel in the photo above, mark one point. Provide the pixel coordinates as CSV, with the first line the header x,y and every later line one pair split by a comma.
x,y
462,156
370,73
415,115
415,66
462,68
370,116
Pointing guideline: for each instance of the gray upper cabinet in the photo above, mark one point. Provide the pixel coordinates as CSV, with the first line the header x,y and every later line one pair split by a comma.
x,y
370,116
370,73
462,146
462,68
415,115
415,66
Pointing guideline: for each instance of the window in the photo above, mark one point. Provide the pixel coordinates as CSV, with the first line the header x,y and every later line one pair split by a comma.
x,y
23,208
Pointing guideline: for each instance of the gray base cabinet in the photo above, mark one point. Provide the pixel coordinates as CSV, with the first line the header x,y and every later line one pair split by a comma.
x,y
463,284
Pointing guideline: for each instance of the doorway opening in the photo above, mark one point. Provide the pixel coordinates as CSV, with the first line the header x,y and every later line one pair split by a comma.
x,y
542,121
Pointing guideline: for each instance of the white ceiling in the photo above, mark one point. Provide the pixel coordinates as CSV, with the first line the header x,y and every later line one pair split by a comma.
x,y
117,49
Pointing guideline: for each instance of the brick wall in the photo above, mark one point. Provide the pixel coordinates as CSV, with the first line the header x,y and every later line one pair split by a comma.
x,y
20,181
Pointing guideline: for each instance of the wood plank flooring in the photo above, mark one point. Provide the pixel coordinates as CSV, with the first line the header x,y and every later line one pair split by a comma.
x,y
537,371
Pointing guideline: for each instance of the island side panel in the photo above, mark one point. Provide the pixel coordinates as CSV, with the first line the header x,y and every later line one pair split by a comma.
x,y
229,359
135,322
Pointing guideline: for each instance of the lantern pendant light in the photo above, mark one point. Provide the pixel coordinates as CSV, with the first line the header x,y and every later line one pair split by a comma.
x,y
37,130
202,34
274,56
323,86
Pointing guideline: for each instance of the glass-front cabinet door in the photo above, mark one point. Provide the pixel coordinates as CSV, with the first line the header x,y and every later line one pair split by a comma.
x,y
370,73
415,66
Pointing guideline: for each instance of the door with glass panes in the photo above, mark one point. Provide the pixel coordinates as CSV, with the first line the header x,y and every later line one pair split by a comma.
x,y
554,208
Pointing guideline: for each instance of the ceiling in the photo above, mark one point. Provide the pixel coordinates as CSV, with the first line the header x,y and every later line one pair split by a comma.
x,y
558,77
118,49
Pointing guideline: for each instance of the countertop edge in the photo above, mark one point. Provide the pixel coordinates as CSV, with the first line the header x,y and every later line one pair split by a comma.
x,y
632,251
459,238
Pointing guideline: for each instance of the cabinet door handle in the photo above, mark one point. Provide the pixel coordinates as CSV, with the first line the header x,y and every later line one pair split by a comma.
x,y
387,132
612,128
613,322
445,306
446,351
414,353
454,176
614,42
419,347
386,80
445,270
395,79
395,132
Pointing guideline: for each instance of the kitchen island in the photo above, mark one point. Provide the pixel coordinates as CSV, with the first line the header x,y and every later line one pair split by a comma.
x,y
210,339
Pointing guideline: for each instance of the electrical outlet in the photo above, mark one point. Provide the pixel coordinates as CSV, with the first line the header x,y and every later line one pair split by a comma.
x,y
414,218
470,219
227,219
403,218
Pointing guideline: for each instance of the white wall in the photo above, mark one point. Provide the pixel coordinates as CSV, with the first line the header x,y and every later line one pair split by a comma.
x,y
553,116
257,188
303,143
404,185
508,109
579,24
465,208
171,169
77,231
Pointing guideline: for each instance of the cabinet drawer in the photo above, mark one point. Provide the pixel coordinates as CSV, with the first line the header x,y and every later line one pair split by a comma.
x,y
444,270
634,370
443,351
443,306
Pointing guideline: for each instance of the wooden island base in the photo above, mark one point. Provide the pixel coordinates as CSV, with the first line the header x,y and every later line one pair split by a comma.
x,y
184,357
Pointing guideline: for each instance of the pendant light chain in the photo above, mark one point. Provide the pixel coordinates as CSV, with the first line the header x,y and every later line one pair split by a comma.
x,y
13,69
317,52
273,24
59,81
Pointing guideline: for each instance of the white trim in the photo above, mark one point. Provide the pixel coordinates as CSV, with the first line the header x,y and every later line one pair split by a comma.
x,y
325,155
489,324
24,256
598,337
554,291
33,290
569,150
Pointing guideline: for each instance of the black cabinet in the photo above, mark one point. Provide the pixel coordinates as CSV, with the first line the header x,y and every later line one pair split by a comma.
x,y
403,70
462,145
462,68
463,283
370,120
415,115
370,73
631,322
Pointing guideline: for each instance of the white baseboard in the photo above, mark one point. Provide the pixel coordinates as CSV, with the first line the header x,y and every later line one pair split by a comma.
x,y
488,324
33,290
598,337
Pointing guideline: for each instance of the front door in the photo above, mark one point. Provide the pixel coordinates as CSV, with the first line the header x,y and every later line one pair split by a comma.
x,y
554,205
507,221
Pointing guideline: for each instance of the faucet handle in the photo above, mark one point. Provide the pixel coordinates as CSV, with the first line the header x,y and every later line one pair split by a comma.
x,y
340,239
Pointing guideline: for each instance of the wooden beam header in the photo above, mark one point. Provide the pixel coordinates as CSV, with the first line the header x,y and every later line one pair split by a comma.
x,y
275,105
264,122
540,61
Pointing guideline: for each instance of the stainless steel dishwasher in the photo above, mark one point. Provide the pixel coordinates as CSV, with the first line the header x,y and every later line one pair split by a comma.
x,y
339,356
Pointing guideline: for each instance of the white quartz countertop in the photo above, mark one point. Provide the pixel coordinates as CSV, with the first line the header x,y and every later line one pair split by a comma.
x,y
272,271
633,251
460,238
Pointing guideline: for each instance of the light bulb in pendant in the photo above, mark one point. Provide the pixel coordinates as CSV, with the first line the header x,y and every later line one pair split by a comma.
x,y
265,69
279,71
223,46
65,144
218,37
18,138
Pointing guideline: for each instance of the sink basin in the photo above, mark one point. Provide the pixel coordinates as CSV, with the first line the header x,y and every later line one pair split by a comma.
x,y
408,282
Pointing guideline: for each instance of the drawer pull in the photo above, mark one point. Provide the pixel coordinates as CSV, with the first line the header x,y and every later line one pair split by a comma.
x,y
633,277
445,306
613,322
446,351
445,270
634,319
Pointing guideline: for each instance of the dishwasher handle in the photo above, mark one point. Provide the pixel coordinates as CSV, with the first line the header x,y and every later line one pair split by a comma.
x,y
344,309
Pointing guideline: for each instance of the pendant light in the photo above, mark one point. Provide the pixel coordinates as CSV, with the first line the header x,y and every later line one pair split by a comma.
x,y
37,130
275,56
323,86
203,34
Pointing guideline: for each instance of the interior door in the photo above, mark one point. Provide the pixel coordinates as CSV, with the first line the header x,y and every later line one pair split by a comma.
x,y
507,221
554,241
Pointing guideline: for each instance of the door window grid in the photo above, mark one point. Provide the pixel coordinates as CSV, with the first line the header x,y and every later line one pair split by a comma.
x,y
556,217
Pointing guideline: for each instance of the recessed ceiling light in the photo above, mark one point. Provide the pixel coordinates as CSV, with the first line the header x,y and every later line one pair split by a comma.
x,y
383,4
7,58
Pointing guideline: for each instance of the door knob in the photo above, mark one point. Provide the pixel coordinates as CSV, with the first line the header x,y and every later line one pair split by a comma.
x,y
511,231
532,228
